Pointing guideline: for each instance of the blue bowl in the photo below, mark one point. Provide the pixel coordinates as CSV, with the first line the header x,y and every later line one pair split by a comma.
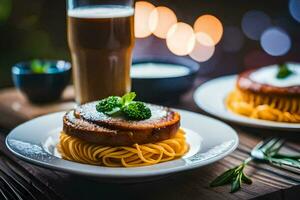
x,y
42,87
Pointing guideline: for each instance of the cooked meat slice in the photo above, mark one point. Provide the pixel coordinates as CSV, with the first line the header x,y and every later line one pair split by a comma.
x,y
100,135
161,117
245,83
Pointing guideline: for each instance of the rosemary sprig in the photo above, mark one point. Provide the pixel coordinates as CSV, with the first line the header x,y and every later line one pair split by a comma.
x,y
236,176
269,152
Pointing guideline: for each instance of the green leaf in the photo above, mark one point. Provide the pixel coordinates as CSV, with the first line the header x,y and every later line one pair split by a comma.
x,y
285,161
292,162
246,179
278,155
283,71
38,67
224,178
235,176
127,98
236,184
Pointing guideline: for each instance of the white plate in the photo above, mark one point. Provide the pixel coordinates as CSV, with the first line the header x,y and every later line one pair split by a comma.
x,y
211,95
209,139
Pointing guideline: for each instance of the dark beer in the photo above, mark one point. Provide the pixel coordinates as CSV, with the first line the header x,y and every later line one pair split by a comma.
x,y
101,41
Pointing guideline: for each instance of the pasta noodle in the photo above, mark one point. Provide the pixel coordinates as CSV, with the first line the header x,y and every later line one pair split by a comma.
x,y
259,106
75,149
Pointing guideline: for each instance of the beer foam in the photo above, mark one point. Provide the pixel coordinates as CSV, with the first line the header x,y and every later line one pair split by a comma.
x,y
101,12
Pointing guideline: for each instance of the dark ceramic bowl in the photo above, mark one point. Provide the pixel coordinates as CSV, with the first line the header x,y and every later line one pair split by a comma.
x,y
164,89
42,87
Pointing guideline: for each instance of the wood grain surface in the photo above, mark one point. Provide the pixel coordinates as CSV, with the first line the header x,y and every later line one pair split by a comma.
x,y
268,182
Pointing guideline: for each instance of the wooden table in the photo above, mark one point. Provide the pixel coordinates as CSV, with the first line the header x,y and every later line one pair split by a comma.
x,y
269,182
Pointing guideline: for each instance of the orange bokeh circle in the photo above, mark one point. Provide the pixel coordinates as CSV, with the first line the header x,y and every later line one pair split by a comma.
x,y
142,13
160,21
181,39
210,25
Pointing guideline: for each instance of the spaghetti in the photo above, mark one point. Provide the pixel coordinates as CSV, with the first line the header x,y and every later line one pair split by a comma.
x,y
75,149
259,106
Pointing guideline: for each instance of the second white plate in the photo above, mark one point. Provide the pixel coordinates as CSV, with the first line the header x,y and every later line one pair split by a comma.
x,y
211,95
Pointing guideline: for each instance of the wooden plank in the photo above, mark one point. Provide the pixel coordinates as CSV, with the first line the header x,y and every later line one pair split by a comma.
x,y
15,108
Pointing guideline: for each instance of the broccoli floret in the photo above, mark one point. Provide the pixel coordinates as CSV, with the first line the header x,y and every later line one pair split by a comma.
x,y
133,110
109,105
136,110
283,71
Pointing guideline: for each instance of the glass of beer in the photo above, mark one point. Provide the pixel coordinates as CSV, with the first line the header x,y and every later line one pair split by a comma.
x,y
101,40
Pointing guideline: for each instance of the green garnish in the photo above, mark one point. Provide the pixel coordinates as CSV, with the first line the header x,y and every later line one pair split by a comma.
x,y
270,151
128,98
109,105
39,67
283,71
133,110
137,110
235,176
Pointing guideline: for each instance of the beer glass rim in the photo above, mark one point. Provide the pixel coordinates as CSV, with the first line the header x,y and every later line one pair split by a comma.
x,y
73,4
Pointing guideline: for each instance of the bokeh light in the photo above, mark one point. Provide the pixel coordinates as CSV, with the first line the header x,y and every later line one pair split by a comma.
x,y
210,25
204,39
181,39
233,39
254,23
161,20
275,41
143,10
204,47
294,7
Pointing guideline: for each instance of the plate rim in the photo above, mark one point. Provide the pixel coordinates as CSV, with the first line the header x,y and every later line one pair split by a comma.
x,y
137,174
235,118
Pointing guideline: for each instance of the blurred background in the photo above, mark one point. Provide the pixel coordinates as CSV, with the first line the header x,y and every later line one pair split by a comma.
x,y
225,37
